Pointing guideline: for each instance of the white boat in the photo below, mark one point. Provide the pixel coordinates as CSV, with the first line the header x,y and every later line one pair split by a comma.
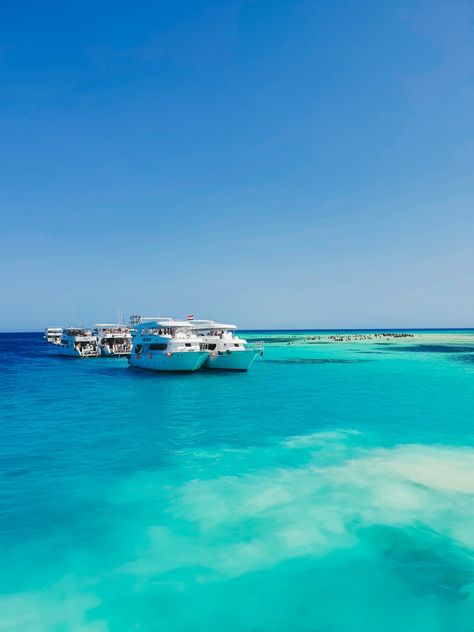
x,y
228,352
78,342
113,340
166,344
53,335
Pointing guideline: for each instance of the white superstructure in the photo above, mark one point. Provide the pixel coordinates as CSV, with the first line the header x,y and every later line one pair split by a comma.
x,y
228,351
78,342
53,335
166,344
113,340
137,319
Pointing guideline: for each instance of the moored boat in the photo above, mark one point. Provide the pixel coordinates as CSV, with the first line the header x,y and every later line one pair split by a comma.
x,y
167,345
78,342
53,335
228,352
113,340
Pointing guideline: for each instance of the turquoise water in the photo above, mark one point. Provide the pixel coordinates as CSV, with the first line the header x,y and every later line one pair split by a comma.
x,y
330,489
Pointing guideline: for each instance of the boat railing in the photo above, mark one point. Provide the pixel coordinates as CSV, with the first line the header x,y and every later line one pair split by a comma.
x,y
256,345
87,351
121,348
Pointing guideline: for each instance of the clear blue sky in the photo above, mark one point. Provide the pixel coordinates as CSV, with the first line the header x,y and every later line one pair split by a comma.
x,y
271,163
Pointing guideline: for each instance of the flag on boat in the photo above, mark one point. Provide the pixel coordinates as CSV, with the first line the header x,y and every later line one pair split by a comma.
x,y
190,316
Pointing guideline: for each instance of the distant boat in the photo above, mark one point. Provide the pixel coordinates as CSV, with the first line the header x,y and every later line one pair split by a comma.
x,y
228,352
166,344
113,340
53,335
78,342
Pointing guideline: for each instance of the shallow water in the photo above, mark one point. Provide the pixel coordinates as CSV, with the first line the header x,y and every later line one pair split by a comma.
x,y
329,489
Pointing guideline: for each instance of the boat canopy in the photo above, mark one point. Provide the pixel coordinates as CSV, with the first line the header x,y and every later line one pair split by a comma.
x,y
164,323
153,319
77,331
211,324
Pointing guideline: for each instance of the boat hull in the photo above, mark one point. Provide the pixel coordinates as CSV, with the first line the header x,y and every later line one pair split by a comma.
x,y
240,360
187,361
105,352
74,353
71,353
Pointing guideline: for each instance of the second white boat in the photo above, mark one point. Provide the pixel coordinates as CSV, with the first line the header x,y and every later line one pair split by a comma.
x,y
113,340
228,352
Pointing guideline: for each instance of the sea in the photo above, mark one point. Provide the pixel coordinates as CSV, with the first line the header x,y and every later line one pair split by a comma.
x,y
329,489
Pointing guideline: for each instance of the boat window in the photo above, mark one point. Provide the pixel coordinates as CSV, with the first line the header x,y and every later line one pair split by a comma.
x,y
236,344
156,346
187,344
138,348
211,347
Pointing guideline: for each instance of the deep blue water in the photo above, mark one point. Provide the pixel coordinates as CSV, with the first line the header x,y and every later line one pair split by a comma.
x,y
330,489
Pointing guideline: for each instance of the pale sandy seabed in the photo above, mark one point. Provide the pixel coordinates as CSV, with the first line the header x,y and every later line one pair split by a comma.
x,y
330,488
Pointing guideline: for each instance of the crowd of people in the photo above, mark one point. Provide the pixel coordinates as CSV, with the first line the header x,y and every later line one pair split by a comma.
x,y
354,337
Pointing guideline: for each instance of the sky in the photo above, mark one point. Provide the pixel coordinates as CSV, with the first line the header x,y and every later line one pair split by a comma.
x,y
298,163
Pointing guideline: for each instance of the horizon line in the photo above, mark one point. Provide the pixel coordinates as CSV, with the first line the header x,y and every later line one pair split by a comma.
x,y
303,329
